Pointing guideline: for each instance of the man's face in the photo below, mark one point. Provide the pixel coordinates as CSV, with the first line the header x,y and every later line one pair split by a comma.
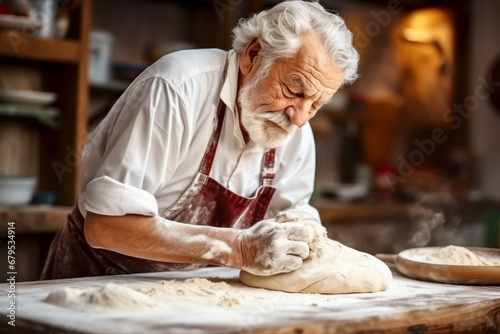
x,y
290,95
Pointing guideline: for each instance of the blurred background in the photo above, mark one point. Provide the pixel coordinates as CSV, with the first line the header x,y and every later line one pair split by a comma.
x,y
406,157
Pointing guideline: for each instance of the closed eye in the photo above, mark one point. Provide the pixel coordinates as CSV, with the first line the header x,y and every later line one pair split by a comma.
x,y
290,93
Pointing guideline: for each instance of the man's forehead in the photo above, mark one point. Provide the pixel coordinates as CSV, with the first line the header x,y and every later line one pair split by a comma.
x,y
314,57
314,82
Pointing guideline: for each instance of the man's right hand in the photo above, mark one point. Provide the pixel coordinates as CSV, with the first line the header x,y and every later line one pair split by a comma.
x,y
269,247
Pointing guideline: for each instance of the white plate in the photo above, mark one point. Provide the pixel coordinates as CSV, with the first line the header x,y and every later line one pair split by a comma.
x,y
27,97
19,23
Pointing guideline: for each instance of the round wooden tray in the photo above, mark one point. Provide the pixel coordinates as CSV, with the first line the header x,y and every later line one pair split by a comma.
x,y
409,263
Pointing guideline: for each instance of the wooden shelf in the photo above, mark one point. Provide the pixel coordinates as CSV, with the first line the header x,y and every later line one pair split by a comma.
x,y
34,218
14,44
49,116
60,66
333,211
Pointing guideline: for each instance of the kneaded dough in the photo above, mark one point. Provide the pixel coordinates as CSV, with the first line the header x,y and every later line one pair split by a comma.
x,y
330,268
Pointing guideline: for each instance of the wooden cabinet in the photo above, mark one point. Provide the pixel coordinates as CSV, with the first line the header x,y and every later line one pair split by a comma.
x,y
63,67
52,153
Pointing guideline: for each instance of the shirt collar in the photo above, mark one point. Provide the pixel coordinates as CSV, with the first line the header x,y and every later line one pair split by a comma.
x,y
230,86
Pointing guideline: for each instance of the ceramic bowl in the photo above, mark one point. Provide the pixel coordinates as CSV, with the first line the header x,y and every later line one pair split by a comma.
x,y
16,190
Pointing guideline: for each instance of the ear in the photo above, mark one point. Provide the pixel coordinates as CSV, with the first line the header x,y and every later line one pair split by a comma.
x,y
249,55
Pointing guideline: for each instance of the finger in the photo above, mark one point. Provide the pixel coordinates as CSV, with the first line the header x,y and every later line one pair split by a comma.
x,y
284,217
263,223
266,221
291,262
299,248
299,232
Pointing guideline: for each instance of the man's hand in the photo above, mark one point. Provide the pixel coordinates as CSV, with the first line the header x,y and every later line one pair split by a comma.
x,y
269,247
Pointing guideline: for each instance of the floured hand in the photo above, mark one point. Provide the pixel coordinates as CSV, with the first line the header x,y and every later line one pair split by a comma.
x,y
271,247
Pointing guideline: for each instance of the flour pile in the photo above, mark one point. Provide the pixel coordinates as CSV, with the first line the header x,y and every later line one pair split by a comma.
x,y
196,290
200,292
109,297
188,294
457,255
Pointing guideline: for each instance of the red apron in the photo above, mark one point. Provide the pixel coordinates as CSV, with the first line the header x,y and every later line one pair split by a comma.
x,y
205,202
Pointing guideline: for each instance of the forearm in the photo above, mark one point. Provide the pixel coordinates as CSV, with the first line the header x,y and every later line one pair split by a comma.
x,y
158,239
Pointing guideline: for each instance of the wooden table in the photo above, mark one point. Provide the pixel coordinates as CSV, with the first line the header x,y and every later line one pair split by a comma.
x,y
408,306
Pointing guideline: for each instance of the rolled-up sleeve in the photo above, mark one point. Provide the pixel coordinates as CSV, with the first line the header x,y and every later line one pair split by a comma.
x,y
105,195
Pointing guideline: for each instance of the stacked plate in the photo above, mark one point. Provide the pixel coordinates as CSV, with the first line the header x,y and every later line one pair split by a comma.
x,y
31,104
27,97
21,23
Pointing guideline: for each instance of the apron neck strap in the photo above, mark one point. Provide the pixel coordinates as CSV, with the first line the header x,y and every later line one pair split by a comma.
x,y
268,170
208,159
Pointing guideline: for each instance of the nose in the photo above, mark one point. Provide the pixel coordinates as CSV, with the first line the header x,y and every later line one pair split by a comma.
x,y
299,113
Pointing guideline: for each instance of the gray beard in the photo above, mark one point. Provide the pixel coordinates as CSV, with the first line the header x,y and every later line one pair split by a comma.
x,y
261,124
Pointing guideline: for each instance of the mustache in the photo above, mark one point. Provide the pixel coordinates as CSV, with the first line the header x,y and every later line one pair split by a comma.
x,y
279,118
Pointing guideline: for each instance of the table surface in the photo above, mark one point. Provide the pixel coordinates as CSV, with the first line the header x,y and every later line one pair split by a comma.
x,y
408,306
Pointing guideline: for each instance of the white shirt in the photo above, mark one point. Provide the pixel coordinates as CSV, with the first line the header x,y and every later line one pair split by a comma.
x,y
146,152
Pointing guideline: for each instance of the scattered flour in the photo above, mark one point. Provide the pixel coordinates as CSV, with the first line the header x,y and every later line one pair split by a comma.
x,y
196,292
457,255
189,294
109,297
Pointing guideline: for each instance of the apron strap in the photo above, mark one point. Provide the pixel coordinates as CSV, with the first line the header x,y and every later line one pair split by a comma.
x,y
208,159
268,170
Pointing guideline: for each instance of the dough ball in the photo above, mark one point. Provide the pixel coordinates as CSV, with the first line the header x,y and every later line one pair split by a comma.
x,y
331,268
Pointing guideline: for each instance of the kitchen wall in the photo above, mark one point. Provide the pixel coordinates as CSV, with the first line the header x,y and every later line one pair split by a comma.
x,y
162,23
485,120
139,25
142,27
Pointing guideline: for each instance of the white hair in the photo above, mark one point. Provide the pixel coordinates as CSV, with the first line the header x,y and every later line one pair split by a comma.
x,y
280,29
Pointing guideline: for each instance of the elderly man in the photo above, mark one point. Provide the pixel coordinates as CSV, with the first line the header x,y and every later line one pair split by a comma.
x,y
207,153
